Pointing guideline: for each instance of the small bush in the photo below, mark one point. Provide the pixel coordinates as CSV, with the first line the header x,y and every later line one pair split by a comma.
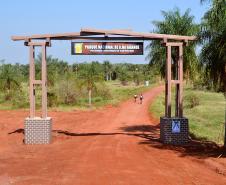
x,y
192,100
66,92
52,99
124,82
97,99
20,99
102,91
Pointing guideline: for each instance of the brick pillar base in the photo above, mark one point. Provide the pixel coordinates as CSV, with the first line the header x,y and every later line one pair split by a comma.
x,y
174,130
38,130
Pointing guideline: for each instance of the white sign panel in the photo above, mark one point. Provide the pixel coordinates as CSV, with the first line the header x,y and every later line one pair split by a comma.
x,y
176,127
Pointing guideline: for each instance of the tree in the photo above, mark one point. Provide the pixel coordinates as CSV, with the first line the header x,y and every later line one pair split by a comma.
x,y
107,70
123,73
90,74
69,83
55,68
213,38
174,23
9,80
150,73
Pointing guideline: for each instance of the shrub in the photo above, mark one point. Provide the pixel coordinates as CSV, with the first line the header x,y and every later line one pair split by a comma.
x,y
97,99
192,100
52,99
66,92
124,76
101,90
20,99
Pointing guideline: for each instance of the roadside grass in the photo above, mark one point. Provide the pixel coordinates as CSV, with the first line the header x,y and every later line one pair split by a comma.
x,y
206,120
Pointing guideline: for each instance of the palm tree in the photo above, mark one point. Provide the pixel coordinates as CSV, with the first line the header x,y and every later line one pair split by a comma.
x,y
9,79
89,76
174,23
55,68
213,38
123,74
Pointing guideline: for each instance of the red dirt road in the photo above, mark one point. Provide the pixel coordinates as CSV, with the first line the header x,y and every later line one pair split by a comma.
x,y
111,146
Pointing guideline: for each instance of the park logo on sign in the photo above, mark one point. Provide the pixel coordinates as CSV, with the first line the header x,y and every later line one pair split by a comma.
x,y
176,127
78,48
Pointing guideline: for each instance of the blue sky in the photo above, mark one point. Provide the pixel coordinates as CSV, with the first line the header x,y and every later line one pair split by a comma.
x,y
26,17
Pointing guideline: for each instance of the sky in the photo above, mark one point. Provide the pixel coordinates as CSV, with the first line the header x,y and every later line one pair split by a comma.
x,y
27,17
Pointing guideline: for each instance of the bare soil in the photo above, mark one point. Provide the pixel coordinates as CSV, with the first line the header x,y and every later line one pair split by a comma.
x,y
113,145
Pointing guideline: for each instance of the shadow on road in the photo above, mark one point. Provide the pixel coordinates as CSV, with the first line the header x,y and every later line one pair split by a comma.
x,y
151,137
196,147
20,130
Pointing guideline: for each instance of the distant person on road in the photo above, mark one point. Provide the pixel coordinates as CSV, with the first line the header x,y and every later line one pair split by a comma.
x,y
135,98
141,98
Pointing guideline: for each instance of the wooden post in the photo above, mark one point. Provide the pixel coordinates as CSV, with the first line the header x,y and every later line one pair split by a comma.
x,y
177,85
44,82
31,79
181,81
168,82
166,85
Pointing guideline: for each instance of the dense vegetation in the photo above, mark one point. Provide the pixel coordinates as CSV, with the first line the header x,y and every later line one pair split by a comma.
x,y
73,85
207,69
213,38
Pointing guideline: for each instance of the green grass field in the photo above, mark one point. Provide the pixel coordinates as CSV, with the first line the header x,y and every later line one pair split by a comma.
x,y
206,120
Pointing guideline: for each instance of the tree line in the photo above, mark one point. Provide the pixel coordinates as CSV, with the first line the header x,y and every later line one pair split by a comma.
x,y
69,84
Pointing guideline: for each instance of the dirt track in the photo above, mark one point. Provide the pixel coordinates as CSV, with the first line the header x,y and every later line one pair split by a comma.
x,y
115,146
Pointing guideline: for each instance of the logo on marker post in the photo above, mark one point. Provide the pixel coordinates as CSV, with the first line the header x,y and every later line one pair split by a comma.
x,y
176,127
